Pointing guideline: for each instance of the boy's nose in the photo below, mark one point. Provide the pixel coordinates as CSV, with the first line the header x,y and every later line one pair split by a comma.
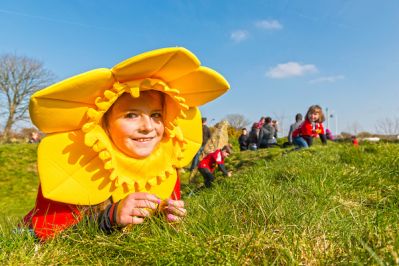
x,y
146,123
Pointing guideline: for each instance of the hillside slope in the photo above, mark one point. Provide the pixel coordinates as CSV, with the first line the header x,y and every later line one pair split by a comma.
x,y
325,205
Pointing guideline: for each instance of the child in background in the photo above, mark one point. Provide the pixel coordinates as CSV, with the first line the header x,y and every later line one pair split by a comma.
x,y
208,165
329,134
113,152
355,142
243,140
311,128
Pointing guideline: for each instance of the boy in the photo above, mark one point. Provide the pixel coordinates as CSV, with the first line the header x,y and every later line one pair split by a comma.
x,y
119,137
208,165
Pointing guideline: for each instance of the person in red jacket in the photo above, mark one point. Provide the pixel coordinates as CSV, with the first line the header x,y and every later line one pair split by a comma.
x,y
355,142
311,128
208,165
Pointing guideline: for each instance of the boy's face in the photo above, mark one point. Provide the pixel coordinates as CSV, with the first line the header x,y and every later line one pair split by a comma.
x,y
314,116
244,132
135,125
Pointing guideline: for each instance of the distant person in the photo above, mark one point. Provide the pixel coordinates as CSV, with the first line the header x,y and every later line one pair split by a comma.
x,y
253,138
34,137
311,128
275,125
266,134
208,165
329,134
355,142
298,122
261,122
243,140
206,135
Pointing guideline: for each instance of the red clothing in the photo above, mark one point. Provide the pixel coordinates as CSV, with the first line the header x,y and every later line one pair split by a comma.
x,y
212,160
50,217
355,142
308,129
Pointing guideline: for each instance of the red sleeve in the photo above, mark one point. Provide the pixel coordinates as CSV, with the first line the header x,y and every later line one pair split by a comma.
x,y
49,217
176,195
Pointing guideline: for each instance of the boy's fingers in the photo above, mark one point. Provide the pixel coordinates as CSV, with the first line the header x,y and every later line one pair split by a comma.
x,y
172,218
176,203
140,212
137,220
145,204
180,212
145,196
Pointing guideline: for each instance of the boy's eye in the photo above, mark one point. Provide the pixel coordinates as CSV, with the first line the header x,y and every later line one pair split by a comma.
x,y
130,115
156,115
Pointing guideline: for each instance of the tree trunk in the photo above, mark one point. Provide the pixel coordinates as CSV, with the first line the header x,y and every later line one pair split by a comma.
x,y
7,128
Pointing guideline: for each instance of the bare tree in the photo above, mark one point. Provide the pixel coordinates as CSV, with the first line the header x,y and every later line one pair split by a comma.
x,y
237,121
20,76
388,126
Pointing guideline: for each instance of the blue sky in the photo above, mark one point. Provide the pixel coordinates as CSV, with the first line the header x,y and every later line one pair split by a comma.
x,y
279,56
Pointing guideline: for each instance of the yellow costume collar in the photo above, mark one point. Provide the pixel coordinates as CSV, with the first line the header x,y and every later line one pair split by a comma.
x,y
77,161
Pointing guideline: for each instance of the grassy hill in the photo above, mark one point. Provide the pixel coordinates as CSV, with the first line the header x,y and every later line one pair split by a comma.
x,y
325,205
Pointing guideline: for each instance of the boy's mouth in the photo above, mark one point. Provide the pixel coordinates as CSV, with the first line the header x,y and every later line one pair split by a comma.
x,y
143,139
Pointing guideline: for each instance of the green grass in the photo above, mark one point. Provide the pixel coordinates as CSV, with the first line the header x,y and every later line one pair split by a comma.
x,y
326,205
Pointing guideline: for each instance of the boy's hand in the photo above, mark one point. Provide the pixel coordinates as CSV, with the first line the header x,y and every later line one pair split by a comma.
x,y
174,210
135,207
229,173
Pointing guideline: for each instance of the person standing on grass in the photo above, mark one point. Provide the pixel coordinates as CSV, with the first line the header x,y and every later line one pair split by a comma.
x,y
311,128
119,138
208,165
206,135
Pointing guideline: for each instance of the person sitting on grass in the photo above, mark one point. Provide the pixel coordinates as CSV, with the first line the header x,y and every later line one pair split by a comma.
x,y
329,134
208,165
120,136
266,134
298,122
253,138
311,128
243,140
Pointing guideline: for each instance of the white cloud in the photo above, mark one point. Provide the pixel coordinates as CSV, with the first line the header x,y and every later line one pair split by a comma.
x,y
290,69
327,79
239,35
269,25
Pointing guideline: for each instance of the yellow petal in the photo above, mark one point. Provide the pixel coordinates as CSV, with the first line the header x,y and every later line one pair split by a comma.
x,y
135,92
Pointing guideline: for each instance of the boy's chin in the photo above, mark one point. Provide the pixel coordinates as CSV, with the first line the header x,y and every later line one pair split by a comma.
x,y
140,154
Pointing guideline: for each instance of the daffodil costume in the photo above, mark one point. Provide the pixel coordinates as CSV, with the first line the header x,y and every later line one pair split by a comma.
x,y
77,162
